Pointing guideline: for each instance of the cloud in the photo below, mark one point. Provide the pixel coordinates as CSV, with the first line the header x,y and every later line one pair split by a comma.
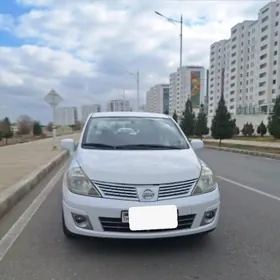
x,y
84,48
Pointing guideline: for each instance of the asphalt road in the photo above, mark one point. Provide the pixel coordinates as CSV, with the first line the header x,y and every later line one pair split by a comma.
x,y
246,244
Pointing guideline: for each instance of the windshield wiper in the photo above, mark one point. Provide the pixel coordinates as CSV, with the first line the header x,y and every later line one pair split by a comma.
x,y
148,146
98,145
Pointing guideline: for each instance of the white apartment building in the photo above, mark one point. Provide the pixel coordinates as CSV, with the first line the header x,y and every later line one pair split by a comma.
x,y
118,105
66,115
245,68
88,109
187,82
157,99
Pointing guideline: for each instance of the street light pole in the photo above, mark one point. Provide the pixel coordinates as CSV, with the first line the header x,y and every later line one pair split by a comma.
x,y
137,86
137,78
181,41
174,21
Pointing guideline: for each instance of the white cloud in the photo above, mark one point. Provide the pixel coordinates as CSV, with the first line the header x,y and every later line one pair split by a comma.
x,y
83,48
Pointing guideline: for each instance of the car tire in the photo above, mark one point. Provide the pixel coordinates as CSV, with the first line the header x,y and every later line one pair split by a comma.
x,y
66,231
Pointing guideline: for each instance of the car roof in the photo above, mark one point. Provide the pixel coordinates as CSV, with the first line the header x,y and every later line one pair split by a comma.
x,y
129,114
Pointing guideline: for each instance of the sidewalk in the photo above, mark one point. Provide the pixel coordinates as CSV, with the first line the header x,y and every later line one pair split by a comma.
x,y
246,143
18,161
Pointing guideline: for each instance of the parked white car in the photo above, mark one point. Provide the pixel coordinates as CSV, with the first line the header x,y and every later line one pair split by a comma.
x,y
145,185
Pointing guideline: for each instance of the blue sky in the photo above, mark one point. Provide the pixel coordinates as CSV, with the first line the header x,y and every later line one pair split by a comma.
x,y
83,48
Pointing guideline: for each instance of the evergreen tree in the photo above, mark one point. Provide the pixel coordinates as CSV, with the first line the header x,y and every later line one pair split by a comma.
x,y
188,120
201,123
222,124
274,120
6,129
175,117
261,129
37,129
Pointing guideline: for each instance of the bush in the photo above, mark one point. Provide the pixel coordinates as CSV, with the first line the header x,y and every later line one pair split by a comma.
x,y
37,129
274,120
261,129
248,129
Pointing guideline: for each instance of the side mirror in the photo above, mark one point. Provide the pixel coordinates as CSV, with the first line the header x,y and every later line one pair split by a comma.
x,y
197,144
68,144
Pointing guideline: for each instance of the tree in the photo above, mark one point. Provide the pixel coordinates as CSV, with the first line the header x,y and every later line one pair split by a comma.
x,y
37,129
24,124
78,126
188,120
250,130
222,125
236,130
49,127
6,130
274,120
175,117
245,129
201,124
261,129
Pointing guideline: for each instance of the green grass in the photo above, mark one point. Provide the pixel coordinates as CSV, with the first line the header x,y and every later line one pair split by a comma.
x,y
270,150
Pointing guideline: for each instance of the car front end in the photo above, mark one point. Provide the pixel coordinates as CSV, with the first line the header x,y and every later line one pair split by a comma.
x,y
100,209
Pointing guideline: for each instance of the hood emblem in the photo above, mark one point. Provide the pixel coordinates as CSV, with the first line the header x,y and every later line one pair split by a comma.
x,y
148,194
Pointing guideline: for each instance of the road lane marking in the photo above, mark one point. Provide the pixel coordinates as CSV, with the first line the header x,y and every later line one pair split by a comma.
x,y
249,188
14,232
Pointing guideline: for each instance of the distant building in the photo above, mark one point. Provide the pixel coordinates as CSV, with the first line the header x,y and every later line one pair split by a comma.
x,y
66,115
245,68
157,99
88,109
187,82
118,105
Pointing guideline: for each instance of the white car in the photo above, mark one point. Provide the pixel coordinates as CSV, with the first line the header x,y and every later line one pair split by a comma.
x,y
147,185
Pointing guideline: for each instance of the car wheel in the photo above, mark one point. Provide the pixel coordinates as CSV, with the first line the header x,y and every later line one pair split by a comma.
x,y
66,231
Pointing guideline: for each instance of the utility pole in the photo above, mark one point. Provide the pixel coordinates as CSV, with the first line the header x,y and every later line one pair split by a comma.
x,y
137,77
181,41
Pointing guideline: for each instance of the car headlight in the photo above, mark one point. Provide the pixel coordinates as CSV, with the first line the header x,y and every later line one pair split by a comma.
x,y
206,182
78,183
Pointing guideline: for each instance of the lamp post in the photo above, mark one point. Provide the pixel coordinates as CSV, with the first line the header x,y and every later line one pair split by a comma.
x,y
137,86
174,21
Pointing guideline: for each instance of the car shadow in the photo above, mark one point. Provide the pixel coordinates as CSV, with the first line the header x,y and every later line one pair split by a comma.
x,y
104,246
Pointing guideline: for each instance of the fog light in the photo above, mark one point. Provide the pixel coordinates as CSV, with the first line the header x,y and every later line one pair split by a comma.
x,y
82,221
209,217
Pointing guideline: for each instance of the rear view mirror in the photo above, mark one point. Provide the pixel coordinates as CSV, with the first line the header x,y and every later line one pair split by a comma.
x,y
68,144
197,144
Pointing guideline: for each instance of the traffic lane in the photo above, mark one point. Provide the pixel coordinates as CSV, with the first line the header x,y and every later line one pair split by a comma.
x,y
256,172
245,246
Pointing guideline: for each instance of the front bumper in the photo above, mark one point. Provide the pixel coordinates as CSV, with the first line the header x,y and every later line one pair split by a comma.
x,y
99,210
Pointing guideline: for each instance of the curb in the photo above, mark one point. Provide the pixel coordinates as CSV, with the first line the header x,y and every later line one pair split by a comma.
x,y
245,152
13,194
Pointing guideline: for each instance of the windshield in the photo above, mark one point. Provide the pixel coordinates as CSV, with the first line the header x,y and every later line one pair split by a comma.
x,y
132,133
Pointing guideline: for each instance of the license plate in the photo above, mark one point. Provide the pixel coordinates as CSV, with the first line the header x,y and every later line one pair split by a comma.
x,y
153,217
125,218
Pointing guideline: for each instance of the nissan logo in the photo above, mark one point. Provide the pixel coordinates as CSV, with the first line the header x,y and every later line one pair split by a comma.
x,y
148,194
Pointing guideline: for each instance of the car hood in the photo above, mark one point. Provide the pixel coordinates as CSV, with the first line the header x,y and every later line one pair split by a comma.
x,y
139,167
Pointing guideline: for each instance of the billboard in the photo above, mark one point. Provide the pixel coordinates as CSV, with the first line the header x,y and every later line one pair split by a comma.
x,y
195,89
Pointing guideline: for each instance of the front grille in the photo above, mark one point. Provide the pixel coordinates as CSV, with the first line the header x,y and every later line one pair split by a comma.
x,y
129,191
176,189
114,190
116,224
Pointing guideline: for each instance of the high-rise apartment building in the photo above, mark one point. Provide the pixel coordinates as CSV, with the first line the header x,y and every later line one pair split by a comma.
x,y
157,99
118,105
187,82
66,115
245,67
88,109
